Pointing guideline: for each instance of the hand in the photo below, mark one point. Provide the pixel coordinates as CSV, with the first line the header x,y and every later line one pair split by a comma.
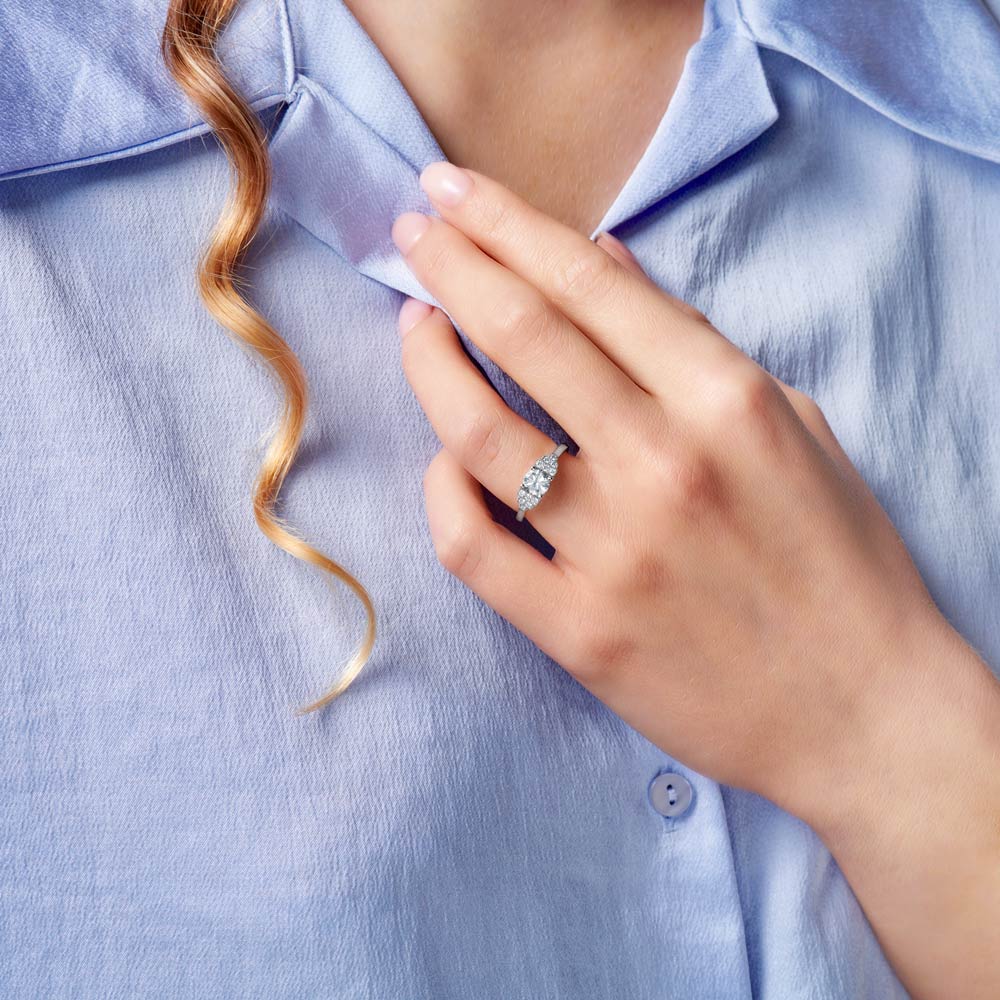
x,y
723,579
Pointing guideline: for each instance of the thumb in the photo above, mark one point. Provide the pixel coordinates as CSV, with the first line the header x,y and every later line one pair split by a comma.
x,y
620,252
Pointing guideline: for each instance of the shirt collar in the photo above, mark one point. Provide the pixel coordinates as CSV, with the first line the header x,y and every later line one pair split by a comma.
x,y
351,147
932,67
84,84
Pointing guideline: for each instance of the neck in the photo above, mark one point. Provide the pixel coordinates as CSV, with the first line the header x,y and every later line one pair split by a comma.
x,y
506,86
468,40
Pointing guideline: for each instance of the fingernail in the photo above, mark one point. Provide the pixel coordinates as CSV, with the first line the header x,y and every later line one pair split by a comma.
x,y
605,237
411,313
408,228
445,183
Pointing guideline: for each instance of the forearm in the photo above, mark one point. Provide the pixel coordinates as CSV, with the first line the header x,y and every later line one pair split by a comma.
x,y
912,815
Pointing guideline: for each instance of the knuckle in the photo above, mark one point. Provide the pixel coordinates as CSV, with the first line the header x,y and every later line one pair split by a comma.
x,y
437,257
584,275
744,394
751,407
494,218
480,441
600,650
524,323
458,548
690,484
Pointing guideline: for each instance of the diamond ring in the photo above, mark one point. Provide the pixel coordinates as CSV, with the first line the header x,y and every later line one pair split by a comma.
x,y
537,481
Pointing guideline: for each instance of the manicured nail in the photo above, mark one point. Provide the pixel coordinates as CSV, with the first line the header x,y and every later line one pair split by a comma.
x,y
445,183
411,313
408,228
606,237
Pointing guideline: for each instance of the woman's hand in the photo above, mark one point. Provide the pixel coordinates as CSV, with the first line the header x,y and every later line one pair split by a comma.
x,y
723,578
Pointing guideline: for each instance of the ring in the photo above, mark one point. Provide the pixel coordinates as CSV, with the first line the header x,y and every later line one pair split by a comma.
x,y
537,480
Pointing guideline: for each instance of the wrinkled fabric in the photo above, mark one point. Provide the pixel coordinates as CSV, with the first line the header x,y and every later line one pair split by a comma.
x,y
467,821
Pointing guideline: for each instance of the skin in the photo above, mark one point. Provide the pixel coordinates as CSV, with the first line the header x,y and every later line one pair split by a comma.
x,y
475,69
723,579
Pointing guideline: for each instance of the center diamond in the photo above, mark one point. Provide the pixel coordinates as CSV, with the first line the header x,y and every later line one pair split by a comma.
x,y
536,481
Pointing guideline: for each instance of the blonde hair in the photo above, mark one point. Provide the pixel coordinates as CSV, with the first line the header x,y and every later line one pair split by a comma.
x,y
188,45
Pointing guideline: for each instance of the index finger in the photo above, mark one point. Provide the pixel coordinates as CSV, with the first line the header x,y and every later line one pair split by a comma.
x,y
625,313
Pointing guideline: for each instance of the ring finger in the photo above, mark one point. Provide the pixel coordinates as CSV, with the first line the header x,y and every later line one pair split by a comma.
x,y
532,341
492,442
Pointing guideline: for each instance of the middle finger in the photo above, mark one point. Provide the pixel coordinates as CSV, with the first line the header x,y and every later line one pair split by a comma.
x,y
494,444
513,323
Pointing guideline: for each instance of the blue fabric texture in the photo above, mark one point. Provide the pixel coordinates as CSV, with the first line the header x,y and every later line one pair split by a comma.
x,y
467,821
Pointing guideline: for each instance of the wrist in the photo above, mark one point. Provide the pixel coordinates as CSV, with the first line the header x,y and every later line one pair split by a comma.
x,y
919,761
909,807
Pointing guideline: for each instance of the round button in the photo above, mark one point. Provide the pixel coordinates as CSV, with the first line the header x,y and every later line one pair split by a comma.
x,y
670,794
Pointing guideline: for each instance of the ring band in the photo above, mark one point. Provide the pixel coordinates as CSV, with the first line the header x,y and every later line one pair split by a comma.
x,y
537,480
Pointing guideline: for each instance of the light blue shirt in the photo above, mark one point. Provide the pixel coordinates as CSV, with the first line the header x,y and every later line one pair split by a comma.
x,y
466,822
